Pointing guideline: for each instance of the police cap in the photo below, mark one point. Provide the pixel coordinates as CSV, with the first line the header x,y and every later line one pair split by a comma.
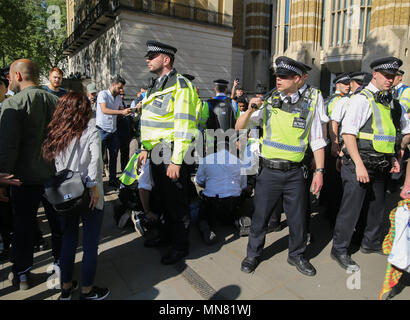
x,y
158,47
221,82
359,76
342,78
388,65
400,73
287,66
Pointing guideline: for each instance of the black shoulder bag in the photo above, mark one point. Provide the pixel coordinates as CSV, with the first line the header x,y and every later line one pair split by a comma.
x,y
66,191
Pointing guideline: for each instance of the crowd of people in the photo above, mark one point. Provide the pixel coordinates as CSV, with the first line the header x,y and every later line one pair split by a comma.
x,y
284,149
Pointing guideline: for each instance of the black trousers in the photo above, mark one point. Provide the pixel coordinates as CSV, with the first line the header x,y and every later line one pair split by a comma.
x,y
224,210
270,185
25,202
174,203
356,196
124,151
332,191
6,223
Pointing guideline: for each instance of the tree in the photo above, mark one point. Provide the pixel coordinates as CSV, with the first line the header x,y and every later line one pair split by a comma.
x,y
33,29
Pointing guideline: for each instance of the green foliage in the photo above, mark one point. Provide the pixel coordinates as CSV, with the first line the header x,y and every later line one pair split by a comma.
x,y
25,33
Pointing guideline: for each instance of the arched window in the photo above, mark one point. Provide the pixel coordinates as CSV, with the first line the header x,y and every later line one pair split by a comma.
x,y
113,58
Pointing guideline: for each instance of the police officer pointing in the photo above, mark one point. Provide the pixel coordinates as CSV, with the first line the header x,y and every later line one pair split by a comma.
x,y
168,124
369,133
290,122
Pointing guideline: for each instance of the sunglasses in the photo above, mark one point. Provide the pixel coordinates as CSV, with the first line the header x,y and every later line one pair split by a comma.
x,y
153,56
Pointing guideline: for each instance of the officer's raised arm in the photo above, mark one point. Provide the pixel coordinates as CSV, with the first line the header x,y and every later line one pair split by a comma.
x,y
254,105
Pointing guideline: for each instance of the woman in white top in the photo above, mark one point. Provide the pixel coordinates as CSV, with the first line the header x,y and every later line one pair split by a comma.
x,y
72,134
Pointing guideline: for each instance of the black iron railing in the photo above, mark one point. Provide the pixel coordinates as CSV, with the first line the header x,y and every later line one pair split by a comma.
x,y
102,8
154,7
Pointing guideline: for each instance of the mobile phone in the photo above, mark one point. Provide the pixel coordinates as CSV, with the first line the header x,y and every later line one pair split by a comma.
x,y
237,79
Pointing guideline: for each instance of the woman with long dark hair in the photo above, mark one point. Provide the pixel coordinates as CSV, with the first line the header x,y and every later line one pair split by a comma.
x,y
72,134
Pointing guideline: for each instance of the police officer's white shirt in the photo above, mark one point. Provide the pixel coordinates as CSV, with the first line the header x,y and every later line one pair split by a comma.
x,y
320,106
339,109
316,140
358,111
220,174
107,122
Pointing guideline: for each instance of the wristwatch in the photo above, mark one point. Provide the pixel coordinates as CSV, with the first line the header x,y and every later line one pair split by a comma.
x,y
322,170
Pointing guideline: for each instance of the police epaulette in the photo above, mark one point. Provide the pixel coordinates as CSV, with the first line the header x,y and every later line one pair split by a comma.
x,y
182,83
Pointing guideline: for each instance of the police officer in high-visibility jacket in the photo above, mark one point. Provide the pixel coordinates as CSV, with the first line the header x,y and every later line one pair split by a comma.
x,y
369,130
290,122
401,91
168,124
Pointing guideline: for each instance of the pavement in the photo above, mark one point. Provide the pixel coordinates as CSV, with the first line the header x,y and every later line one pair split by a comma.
x,y
133,272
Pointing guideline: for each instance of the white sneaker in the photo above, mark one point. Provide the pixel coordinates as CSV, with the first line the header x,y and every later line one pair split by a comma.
x,y
123,220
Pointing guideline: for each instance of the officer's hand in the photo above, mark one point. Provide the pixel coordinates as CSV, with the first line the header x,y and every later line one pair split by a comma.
x,y
395,166
335,149
126,112
405,192
142,159
173,171
317,183
254,101
3,195
6,178
361,174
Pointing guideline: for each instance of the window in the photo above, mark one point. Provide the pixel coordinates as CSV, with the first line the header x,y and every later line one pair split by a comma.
x,y
341,22
365,19
322,37
97,64
113,58
87,66
287,20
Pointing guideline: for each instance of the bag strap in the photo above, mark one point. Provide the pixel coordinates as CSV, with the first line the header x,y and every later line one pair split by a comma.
x,y
72,154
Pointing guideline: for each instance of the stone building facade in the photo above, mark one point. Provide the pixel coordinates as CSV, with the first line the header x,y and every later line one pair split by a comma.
x,y
236,39
108,38
332,36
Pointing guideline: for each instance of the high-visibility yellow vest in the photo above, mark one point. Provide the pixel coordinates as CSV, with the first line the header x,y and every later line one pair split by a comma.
x,y
169,115
130,174
404,98
202,112
332,102
281,140
379,132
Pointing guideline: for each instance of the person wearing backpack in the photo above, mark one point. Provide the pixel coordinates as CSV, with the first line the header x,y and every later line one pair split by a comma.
x,y
74,143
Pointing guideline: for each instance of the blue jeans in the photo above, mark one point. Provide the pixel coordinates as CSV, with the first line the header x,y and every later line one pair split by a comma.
x,y
92,222
111,141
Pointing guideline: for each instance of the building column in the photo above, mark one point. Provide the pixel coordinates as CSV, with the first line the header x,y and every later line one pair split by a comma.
x,y
257,44
389,33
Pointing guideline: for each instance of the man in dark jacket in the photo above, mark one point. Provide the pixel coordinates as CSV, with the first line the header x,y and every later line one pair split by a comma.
x,y
23,128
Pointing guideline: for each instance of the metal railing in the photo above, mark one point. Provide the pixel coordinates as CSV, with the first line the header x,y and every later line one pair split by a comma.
x,y
103,7
157,7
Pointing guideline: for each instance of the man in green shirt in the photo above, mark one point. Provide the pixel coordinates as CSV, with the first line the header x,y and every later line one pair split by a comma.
x,y
23,128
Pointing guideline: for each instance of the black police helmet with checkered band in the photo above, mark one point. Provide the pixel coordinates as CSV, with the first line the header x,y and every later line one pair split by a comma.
x,y
342,78
287,66
158,47
389,65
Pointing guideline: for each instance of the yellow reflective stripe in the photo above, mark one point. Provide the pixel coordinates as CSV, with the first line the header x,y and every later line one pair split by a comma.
x,y
365,136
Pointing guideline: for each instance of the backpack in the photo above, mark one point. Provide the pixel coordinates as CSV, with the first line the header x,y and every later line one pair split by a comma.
x,y
221,115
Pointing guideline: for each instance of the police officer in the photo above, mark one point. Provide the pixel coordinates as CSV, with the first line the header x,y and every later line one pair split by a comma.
x,y
401,91
290,121
369,133
168,124
342,83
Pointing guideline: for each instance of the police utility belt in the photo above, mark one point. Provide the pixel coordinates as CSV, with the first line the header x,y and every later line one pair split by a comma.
x,y
279,164
374,161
